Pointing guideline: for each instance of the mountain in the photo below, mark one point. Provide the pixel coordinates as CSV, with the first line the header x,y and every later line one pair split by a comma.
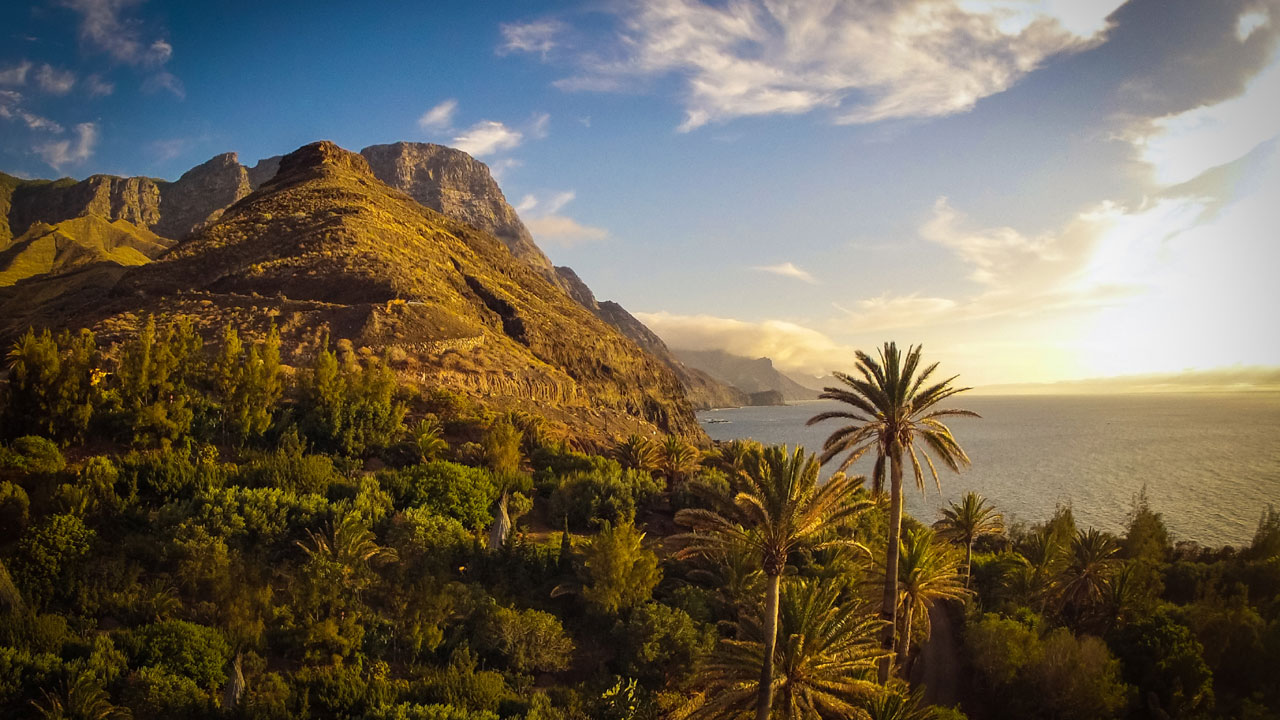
x,y
750,376
704,391
56,249
325,245
454,183
168,209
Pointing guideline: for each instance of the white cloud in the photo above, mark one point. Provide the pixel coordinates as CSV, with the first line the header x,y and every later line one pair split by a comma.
x,y
54,81
532,37
1248,22
1180,147
994,253
550,227
15,75
563,231
11,109
61,153
788,270
540,127
439,117
527,203
103,28
867,61
486,138
558,201
166,81
98,87
793,348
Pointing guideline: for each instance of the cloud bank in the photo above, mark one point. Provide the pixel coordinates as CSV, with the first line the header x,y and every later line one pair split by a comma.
x,y
864,62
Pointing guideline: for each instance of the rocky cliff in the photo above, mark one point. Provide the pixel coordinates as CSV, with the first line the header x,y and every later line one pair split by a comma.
x,y
200,195
452,182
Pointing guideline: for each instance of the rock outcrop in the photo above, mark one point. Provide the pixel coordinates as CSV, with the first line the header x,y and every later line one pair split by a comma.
x,y
135,200
452,182
200,195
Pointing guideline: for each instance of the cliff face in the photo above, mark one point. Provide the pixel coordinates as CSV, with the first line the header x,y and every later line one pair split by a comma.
x,y
452,182
200,195
135,200
325,245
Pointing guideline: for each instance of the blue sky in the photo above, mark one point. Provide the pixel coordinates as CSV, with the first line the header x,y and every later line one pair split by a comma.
x,y
1037,190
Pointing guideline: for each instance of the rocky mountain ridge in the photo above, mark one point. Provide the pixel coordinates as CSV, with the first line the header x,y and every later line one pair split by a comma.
x,y
440,178
324,247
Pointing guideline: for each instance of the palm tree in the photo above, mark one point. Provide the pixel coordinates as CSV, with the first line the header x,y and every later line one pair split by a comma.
x,y
349,544
967,522
733,457
926,574
636,452
893,408
427,439
1085,580
81,699
1039,555
826,655
677,459
899,703
779,508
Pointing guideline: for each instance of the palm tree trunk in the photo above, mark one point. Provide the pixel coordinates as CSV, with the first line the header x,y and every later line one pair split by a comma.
x,y
968,563
501,524
889,605
764,697
904,642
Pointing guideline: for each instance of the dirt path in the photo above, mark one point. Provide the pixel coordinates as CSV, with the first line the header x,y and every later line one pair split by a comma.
x,y
938,665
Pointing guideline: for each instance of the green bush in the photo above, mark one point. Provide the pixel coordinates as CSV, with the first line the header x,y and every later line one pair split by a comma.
x,y
168,474
23,673
15,510
49,558
1164,658
425,539
449,489
153,693
182,648
31,455
461,685
659,642
525,640
586,498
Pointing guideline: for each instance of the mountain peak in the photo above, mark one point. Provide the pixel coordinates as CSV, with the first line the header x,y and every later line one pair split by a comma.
x,y
322,156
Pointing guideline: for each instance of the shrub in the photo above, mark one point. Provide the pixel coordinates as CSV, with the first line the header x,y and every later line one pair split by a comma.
x,y
153,693
409,711
526,640
14,510
49,558
618,572
184,649
459,684
611,495
422,537
658,642
445,488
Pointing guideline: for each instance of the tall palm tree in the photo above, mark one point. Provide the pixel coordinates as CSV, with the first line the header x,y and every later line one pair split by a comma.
x,y
967,522
894,406
926,574
733,457
637,452
826,656
779,508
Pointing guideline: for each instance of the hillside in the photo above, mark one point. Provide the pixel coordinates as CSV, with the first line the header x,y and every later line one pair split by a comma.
x,y
324,244
751,376
56,249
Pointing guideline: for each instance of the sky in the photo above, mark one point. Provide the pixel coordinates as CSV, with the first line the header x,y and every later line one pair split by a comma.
x,y
1035,190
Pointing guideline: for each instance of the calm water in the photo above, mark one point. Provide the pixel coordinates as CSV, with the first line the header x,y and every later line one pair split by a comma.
x,y
1211,463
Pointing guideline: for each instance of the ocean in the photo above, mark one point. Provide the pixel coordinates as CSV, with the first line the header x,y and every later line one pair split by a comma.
x,y
1210,462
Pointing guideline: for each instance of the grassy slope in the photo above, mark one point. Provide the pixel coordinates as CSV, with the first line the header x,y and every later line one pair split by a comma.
x,y
72,244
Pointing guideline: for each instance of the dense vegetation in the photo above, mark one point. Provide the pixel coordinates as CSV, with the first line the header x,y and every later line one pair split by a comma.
x,y
199,531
